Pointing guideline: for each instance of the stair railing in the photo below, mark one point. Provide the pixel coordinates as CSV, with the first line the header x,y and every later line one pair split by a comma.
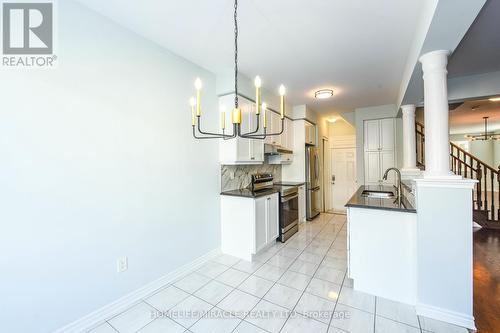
x,y
487,196
487,190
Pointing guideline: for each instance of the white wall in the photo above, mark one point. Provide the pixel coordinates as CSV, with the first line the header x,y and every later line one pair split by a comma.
x,y
496,154
375,112
483,150
98,162
444,260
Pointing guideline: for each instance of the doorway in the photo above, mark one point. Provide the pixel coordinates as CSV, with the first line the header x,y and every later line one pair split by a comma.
x,y
343,171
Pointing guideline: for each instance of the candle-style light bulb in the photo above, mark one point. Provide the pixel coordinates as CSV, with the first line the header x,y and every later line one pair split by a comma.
x,y
258,84
282,101
264,109
198,85
192,102
222,109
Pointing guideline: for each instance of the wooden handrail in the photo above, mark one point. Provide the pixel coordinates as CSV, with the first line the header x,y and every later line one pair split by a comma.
x,y
473,157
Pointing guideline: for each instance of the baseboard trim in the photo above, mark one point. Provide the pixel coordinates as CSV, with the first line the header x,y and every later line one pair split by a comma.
x,y
99,316
448,316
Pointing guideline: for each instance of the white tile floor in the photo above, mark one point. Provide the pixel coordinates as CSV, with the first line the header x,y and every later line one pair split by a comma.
x,y
297,287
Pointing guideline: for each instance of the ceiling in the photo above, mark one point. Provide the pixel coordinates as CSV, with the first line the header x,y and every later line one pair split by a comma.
x,y
479,50
359,48
468,117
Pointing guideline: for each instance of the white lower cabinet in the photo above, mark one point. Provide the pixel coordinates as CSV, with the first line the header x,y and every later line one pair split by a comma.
x,y
302,203
248,225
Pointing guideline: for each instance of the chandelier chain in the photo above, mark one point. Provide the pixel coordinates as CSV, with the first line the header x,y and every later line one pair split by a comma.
x,y
236,53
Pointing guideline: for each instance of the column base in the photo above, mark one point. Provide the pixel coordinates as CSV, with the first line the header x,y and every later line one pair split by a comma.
x,y
411,173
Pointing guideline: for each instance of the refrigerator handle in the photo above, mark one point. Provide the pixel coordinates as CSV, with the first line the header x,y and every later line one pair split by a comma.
x,y
316,166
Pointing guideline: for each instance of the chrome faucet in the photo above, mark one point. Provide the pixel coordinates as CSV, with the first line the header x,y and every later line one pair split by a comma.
x,y
398,183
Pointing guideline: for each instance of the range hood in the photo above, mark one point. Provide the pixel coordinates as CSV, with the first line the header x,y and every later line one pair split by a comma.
x,y
275,150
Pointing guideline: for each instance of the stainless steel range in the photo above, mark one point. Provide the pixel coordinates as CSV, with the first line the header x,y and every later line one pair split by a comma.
x,y
289,203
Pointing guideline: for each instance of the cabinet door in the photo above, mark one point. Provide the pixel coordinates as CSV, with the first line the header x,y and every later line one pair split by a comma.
x,y
273,218
244,145
310,133
289,133
275,128
372,135
256,145
372,167
302,203
261,216
387,134
386,162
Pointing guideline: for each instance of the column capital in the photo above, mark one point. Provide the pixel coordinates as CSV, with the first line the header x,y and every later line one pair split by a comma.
x,y
434,60
408,109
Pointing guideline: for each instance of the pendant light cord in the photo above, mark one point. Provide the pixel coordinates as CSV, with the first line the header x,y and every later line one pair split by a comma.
x,y
236,53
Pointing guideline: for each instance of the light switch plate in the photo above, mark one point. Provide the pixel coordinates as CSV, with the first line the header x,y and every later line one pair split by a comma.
x,y
121,264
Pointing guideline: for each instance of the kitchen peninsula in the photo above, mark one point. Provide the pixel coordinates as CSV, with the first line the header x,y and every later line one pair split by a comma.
x,y
382,243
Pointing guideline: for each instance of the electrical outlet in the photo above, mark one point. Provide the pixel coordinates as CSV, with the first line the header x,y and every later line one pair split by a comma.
x,y
121,264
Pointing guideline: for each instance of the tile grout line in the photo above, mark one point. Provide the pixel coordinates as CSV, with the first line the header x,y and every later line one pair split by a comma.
x,y
293,309
285,270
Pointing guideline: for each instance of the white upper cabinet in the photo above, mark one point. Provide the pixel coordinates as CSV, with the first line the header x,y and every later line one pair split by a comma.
x,y
288,142
275,128
241,151
310,133
379,146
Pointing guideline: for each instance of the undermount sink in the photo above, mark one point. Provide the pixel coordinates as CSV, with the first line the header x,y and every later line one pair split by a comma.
x,y
378,194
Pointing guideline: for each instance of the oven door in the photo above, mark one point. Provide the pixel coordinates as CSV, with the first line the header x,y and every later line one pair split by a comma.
x,y
289,216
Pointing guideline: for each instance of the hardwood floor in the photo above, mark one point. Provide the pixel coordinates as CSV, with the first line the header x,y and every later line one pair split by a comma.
x,y
487,280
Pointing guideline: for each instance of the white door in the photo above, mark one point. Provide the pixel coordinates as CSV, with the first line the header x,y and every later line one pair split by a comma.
x,y
372,135
343,164
372,168
386,162
387,134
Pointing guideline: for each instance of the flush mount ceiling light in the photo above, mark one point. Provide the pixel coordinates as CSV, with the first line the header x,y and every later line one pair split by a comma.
x,y
323,93
332,120
494,99
236,117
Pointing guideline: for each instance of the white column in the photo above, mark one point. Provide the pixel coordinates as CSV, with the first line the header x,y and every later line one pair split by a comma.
x,y
437,142
409,140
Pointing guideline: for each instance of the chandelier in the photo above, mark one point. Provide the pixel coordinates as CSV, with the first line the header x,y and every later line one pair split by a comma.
x,y
486,135
195,103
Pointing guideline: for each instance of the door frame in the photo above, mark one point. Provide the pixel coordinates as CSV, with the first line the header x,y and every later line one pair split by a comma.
x,y
326,185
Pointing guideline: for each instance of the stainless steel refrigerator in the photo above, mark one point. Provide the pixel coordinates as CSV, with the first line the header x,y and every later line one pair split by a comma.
x,y
312,183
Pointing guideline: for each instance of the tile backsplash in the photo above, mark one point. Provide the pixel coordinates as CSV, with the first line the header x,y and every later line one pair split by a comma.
x,y
234,177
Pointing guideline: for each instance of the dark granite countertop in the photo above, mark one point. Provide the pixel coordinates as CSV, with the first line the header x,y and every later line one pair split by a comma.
x,y
248,193
290,183
359,201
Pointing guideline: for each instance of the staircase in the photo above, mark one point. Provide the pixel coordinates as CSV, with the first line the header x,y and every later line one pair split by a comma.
x,y
486,196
